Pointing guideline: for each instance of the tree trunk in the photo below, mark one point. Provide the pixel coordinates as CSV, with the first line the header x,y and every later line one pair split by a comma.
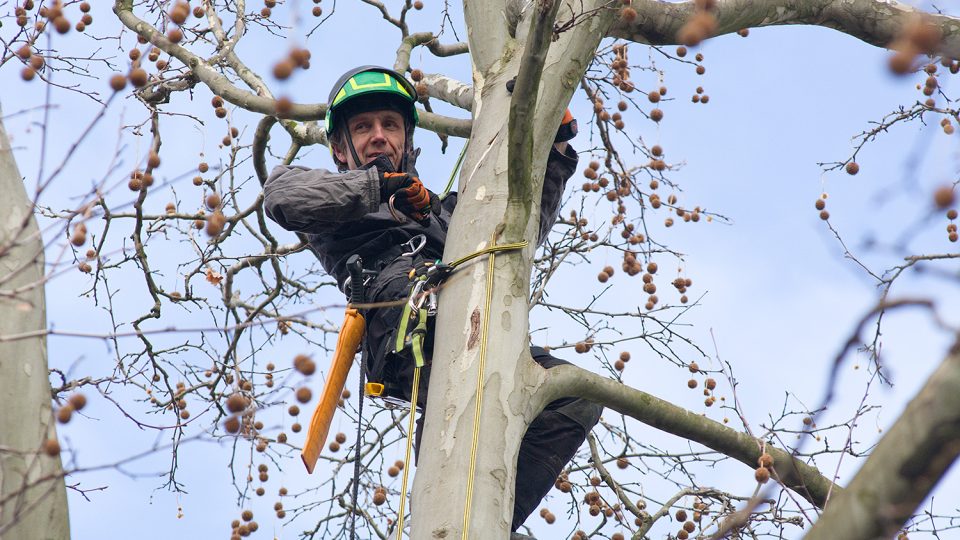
x,y
484,209
33,496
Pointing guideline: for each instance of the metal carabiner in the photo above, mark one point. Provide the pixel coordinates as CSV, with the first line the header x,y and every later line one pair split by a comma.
x,y
432,303
414,245
413,301
397,215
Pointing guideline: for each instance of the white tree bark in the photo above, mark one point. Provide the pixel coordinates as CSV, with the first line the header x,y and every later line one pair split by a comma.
x,y
440,494
33,498
877,22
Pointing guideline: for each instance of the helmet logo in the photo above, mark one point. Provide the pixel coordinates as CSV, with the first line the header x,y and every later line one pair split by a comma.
x,y
368,81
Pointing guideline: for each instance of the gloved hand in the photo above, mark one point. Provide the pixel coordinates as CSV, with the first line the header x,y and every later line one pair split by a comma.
x,y
568,126
410,196
414,199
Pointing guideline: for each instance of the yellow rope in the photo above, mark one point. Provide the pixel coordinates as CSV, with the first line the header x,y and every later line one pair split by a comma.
x,y
406,459
483,358
491,250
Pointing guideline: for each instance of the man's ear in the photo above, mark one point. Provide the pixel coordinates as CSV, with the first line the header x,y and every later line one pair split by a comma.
x,y
338,151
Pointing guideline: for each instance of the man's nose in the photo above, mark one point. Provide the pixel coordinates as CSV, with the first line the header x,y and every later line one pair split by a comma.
x,y
377,133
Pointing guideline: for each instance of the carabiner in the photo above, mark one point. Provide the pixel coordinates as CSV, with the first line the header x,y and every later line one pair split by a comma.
x,y
398,216
414,245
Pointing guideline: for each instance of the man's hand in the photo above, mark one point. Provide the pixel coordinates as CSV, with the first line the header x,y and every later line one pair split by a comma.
x,y
410,196
568,128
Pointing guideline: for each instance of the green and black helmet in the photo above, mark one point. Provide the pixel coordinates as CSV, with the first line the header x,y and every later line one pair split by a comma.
x,y
367,88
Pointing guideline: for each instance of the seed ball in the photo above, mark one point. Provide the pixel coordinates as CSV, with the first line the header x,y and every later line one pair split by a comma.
x,y
341,438
379,497
78,401
175,35
944,197
824,215
295,427
622,463
602,277
952,236
51,447
236,402
693,367
765,460
653,96
681,51
65,413
246,515
309,367
701,70
61,25
692,383
418,5
619,365
820,204
711,383
853,168
232,424
681,515
138,77
304,394
951,214
317,11
689,526
79,236
656,115
682,535
762,474
393,471
283,69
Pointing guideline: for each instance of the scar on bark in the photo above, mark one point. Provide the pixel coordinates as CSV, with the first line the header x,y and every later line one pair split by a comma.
x,y
474,329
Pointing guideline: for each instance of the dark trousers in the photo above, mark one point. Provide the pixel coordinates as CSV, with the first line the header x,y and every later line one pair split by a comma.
x,y
552,438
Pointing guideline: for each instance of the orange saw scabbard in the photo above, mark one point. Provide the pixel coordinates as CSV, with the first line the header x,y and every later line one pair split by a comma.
x,y
348,341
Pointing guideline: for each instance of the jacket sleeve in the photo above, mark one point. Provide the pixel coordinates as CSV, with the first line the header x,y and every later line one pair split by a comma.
x,y
316,200
560,167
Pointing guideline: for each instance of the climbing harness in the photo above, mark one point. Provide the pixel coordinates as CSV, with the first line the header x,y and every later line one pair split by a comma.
x,y
426,278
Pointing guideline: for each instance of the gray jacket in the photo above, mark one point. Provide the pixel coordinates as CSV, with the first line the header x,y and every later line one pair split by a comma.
x,y
341,213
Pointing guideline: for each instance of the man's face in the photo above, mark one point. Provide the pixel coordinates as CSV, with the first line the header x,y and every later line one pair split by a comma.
x,y
374,133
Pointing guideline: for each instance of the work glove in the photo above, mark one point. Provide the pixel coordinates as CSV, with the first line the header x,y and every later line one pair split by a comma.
x,y
409,195
568,126
414,199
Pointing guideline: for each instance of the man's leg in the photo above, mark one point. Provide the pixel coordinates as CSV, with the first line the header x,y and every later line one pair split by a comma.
x,y
550,442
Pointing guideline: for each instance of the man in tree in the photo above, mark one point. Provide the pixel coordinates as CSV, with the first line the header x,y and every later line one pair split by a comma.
x,y
370,123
